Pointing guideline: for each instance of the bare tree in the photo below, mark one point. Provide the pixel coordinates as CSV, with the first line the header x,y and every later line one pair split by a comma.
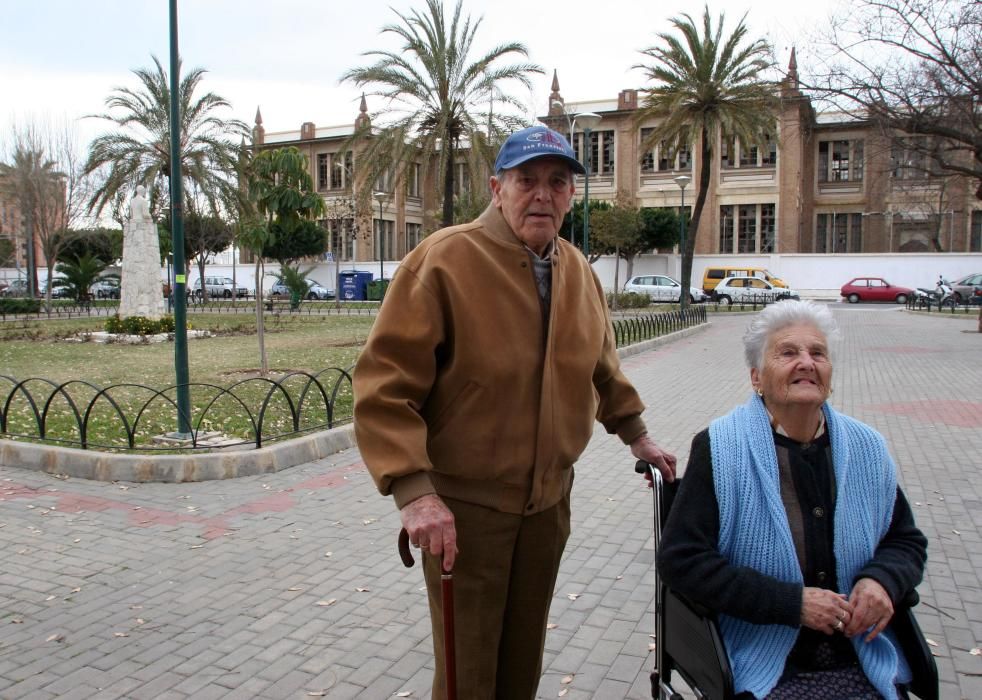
x,y
913,67
45,175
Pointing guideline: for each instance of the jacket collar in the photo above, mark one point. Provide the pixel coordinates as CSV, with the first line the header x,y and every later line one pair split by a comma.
x,y
496,227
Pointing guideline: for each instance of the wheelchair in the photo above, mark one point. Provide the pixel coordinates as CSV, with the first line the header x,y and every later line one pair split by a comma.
x,y
688,640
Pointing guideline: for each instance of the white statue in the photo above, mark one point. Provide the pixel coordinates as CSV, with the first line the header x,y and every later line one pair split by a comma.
x,y
139,208
141,292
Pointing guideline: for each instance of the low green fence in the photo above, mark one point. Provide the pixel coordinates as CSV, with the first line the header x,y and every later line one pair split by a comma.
x,y
647,326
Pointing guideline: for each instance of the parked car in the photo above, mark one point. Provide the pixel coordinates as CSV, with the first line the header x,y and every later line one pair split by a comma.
x,y
874,289
712,275
662,288
750,289
16,288
316,290
219,287
57,291
105,288
964,289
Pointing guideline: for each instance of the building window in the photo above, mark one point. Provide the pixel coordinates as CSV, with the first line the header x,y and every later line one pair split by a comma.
x,y
753,226
840,161
727,151
413,234
340,239
383,183
387,242
747,228
412,181
601,144
462,179
975,240
769,152
664,158
767,228
748,156
910,159
726,228
340,167
839,233
323,168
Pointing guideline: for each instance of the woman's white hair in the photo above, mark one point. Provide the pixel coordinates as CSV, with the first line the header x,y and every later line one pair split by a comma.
x,y
780,315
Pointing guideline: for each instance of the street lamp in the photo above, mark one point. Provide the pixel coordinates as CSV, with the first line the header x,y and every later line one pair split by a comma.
x,y
381,197
589,122
571,122
682,181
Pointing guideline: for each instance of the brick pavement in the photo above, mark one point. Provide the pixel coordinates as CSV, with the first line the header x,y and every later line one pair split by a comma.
x,y
287,585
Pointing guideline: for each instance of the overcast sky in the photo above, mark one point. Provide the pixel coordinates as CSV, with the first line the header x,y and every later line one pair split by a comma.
x,y
61,58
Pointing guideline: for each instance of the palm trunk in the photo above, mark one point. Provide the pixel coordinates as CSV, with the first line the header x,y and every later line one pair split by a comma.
x,y
448,178
260,330
705,166
617,269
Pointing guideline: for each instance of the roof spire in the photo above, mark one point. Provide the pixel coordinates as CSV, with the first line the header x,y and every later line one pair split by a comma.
x,y
557,105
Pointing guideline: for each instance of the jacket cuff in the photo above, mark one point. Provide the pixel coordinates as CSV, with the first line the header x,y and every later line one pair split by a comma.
x,y
630,429
408,488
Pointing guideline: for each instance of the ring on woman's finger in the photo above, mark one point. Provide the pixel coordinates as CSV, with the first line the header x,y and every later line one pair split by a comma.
x,y
838,626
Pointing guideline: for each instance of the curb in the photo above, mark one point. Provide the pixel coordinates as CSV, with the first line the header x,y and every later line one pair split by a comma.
x,y
225,464
113,466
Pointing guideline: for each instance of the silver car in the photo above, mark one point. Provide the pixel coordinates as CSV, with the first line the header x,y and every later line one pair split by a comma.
x,y
964,289
750,290
662,288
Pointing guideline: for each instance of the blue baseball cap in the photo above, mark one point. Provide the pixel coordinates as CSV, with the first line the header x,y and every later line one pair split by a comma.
x,y
535,142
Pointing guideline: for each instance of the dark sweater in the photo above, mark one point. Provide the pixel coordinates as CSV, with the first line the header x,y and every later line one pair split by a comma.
x,y
689,561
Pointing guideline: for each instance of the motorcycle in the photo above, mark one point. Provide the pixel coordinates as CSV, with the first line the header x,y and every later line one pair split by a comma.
x,y
941,296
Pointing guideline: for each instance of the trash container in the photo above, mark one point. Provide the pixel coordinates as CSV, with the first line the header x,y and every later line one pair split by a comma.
x,y
376,289
353,285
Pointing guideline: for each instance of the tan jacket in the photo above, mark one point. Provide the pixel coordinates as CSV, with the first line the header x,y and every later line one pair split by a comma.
x,y
458,391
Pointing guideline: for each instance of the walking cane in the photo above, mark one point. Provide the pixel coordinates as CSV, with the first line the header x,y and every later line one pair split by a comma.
x,y
446,593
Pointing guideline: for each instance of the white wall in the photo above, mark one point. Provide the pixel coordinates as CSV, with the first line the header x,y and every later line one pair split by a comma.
x,y
809,274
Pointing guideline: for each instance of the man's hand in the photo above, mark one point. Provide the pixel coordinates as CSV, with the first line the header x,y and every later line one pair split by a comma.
x,y
646,449
873,608
825,610
430,525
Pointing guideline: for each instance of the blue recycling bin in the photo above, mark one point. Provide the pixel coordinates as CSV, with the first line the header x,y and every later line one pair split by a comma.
x,y
354,285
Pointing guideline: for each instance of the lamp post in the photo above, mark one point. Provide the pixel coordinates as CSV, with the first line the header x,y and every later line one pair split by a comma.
x,y
571,122
182,376
682,181
381,197
589,122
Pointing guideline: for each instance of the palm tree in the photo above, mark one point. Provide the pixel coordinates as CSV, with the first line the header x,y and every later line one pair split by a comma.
x,y
32,180
437,98
705,87
139,151
78,275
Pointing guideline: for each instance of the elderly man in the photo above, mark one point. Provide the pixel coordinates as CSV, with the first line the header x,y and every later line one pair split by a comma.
x,y
476,392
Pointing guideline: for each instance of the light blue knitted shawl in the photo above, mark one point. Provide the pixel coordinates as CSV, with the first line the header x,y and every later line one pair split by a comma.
x,y
754,532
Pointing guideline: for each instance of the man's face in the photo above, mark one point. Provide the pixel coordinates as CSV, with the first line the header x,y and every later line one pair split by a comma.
x,y
534,197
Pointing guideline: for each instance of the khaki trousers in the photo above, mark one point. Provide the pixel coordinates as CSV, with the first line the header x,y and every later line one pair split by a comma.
x,y
504,578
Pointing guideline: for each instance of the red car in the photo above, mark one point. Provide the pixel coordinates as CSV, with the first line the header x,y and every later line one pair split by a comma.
x,y
874,289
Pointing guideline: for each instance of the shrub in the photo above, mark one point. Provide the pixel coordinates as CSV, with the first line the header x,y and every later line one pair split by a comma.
x,y
139,325
629,300
19,305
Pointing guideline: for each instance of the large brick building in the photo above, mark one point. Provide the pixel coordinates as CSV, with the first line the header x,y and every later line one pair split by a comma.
x,y
825,183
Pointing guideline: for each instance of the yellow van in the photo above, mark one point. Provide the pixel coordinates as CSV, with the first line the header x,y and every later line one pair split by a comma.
x,y
713,275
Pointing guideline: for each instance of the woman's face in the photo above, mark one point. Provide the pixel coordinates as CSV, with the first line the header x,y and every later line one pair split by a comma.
x,y
796,371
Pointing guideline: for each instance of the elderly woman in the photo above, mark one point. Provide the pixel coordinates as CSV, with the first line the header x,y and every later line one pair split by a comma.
x,y
790,525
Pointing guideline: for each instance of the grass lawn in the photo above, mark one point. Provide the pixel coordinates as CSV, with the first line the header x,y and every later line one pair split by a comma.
x,y
230,359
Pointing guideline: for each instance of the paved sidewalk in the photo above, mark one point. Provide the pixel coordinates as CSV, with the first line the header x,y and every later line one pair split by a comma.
x,y
288,585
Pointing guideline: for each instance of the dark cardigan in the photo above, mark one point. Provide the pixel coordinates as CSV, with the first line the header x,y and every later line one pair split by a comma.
x,y
690,562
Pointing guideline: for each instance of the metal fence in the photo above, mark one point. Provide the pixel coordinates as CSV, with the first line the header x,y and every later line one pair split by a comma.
x,y
251,412
107,308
